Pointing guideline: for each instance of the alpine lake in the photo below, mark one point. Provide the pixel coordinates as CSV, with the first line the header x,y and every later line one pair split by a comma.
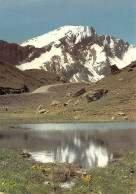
x,y
88,144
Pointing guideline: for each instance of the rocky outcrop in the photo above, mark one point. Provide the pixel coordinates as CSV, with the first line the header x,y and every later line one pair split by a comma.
x,y
5,90
115,69
41,111
132,66
95,95
79,92
121,114
56,103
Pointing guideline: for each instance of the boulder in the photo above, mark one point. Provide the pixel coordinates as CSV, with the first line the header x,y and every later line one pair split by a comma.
x,y
133,64
63,80
68,94
131,69
112,118
76,102
25,155
79,92
55,103
95,95
76,118
121,79
69,101
40,107
121,114
66,104
41,111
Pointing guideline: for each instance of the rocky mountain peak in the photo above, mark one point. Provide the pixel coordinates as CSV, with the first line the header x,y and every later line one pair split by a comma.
x,y
77,52
72,33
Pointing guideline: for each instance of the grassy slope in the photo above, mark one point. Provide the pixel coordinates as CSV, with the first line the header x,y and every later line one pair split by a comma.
x,y
121,97
12,77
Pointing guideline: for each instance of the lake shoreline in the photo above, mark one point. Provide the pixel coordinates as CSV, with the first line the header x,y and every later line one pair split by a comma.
x,y
9,119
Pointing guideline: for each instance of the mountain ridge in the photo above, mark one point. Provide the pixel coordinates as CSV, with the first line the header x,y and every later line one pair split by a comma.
x,y
76,52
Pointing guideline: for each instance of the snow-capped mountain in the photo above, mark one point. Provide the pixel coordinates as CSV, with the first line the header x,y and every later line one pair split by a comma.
x,y
78,32
77,52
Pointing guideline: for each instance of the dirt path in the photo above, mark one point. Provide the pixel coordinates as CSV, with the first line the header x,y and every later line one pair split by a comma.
x,y
45,89
40,95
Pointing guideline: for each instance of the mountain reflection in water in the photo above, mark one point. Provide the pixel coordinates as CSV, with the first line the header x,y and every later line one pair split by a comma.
x,y
73,148
89,148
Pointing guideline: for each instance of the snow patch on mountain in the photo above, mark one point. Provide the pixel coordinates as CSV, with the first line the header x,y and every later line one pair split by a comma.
x,y
54,36
39,63
118,62
130,55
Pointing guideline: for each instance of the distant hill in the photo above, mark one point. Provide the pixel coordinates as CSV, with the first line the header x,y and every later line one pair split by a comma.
x,y
13,80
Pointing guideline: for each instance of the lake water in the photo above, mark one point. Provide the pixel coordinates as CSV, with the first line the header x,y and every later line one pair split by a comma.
x,y
89,144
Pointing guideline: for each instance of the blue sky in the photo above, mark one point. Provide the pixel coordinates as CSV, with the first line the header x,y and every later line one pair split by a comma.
x,y
24,19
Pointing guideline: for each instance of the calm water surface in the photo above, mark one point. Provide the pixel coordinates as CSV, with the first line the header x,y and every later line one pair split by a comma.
x,y
89,144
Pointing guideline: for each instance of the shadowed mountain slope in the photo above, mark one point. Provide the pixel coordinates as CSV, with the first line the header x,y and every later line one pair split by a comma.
x,y
13,80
